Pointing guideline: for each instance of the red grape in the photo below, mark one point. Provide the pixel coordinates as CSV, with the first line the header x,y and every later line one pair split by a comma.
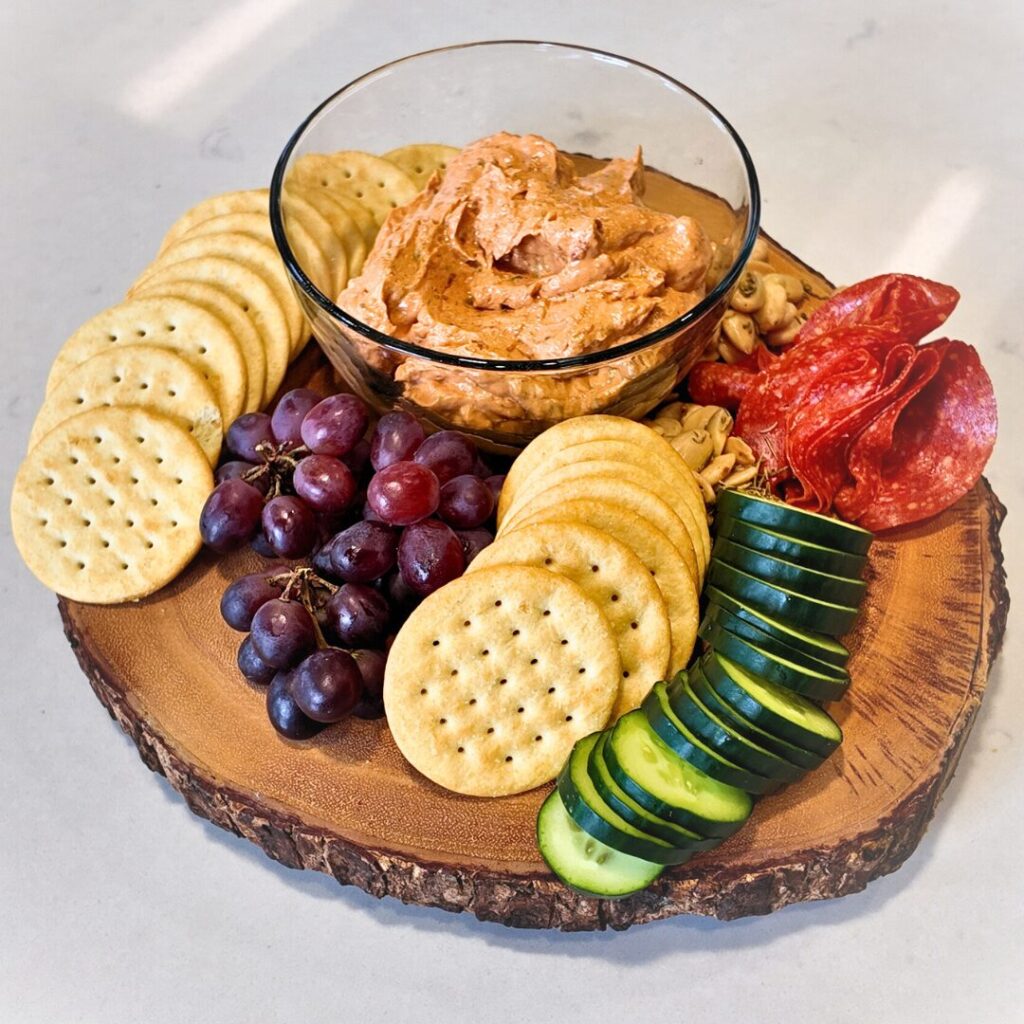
x,y
371,668
358,459
282,632
230,516
429,555
358,615
403,493
466,502
235,469
327,685
290,526
244,597
335,425
474,541
481,469
395,439
285,715
252,666
495,483
247,433
448,453
402,597
324,483
363,552
286,421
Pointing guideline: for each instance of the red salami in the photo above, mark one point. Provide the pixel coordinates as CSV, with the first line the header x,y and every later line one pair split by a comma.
x,y
720,383
911,306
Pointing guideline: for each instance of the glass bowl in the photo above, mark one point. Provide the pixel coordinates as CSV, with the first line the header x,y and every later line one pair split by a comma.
x,y
590,104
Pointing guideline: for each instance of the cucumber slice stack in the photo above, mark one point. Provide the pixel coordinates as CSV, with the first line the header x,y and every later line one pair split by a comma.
x,y
679,774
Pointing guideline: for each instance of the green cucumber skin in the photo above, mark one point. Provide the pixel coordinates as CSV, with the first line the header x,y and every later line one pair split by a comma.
x,y
713,765
794,522
792,753
808,582
677,835
764,665
804,612
789,549
721,617
720,599
696,717
705,827
733,695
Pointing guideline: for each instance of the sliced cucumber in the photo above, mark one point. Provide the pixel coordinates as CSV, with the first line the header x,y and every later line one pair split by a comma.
x,y
719,735
801,580
801,552
773,708
690,748
597,819
796,677
790,752
623,804
814,645
794,522
804,612
668,786
583,863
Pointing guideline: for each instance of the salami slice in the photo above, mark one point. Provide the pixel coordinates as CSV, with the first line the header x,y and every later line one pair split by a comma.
x,y
720,383
941,440
912,306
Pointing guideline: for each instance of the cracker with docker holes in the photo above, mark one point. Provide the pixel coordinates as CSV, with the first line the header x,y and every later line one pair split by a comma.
x,y
421,159
106,507
654,549
342,223
614,579
181,326
375,182
136,375
495,676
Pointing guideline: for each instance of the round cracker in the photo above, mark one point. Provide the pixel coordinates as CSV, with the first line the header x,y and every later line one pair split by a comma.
x,y
254,253
421,159
251,200
495,676
214,300
360,214
250,291
342,223
614,578
378,184
156,379
631,496
654,549
662,485
106,507
298,212
196,335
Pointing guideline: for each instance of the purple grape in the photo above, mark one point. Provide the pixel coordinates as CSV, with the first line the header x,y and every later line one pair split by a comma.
x,y
481,469
403,493
247,433
285,715
358,460
448,453
358,615
395,439
236,469
321,560
252,666
495,483
261,545
474,541
230,516
286,421
363,552
335,425
282,632
244,597
429,555
466,502
371,667
327,685
290,526
325,484
402,597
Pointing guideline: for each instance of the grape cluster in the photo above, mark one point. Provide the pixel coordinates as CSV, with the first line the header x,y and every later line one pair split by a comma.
x,y
383,521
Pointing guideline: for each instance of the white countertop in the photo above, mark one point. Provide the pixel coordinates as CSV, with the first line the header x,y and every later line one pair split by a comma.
x,y
887,136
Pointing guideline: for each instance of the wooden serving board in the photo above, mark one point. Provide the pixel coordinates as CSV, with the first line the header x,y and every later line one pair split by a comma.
x,y
347,803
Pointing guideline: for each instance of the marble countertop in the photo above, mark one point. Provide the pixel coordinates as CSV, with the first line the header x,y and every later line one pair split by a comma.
x,y
886,135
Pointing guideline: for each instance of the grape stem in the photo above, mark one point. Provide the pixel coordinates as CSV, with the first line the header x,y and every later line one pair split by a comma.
x,y
279,461
302,584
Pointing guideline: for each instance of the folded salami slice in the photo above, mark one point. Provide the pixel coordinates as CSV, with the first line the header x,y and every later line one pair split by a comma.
x,y
940,441
912,306
720,383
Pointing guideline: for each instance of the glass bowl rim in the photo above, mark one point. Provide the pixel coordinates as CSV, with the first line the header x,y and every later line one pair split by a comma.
x,y
607,355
